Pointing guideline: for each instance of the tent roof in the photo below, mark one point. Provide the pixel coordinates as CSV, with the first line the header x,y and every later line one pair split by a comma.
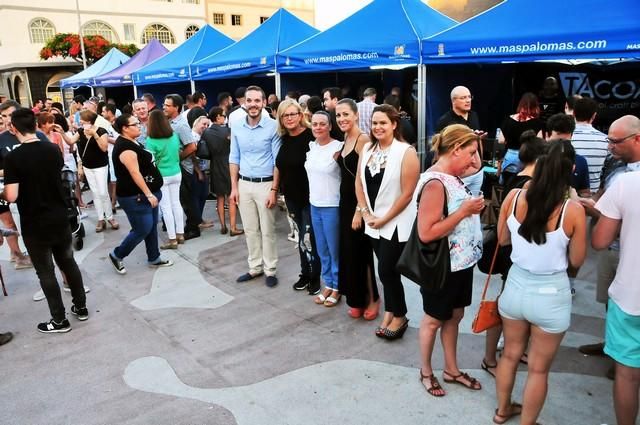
x,y
113,59
385,32
121,76
543,29
174,66
256,52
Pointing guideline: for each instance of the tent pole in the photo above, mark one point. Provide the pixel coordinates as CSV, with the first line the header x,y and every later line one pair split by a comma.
x,y
422,111
193,86
135,92
278,85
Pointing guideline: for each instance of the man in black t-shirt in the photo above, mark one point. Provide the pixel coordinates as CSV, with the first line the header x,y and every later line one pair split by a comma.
x,y
460,112
33,181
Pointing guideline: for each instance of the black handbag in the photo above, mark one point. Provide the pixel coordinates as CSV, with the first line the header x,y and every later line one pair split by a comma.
x,y
426,264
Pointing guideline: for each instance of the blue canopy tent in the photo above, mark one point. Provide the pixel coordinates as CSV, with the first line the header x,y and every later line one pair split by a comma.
x,y
255,53
385,33
545,29
174,66
121,76
113,59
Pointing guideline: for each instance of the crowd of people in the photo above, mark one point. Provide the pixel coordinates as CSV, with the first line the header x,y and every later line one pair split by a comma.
x,y
350,177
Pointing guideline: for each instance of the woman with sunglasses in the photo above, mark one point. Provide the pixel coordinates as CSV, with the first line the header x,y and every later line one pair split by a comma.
x,y
295,131
138,192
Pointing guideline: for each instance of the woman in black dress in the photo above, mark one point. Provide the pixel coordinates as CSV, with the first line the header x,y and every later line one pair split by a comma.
x,y
356,273
217,139
294,130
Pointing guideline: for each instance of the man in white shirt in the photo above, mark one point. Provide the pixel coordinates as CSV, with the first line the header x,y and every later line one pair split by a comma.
x,y
587,141
620,214
365,109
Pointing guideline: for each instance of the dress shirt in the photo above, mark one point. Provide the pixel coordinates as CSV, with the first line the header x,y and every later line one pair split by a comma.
x,y
254,149
181,128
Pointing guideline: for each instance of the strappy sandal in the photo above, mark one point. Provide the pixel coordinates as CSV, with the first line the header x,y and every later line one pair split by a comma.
x,y
516,410
434,385
332,301
487,367
455,379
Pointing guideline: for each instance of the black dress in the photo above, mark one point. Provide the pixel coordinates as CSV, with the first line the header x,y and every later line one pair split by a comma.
x,y
356,261
217,140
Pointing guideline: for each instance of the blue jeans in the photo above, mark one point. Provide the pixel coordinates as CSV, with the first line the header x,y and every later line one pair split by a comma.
x,y
326,228
144,226
309,261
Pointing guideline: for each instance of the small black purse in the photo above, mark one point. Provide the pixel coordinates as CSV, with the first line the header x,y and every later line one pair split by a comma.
x,y
426,264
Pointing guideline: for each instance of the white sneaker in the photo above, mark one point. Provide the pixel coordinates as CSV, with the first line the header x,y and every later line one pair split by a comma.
x,y
500,345
65,288
39,296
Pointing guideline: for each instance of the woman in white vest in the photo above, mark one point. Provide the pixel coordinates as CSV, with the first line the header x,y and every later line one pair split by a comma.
x,y
387,175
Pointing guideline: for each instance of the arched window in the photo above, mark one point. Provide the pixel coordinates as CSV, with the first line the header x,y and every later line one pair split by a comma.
x,y
160,32
41,30
190,31
100,28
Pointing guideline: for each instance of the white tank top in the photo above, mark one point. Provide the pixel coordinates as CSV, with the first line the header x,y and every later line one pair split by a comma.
x,y
548,258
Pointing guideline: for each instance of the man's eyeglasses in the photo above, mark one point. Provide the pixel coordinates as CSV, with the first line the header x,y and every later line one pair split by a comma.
x,y
617,141
469,97
291,115
133,124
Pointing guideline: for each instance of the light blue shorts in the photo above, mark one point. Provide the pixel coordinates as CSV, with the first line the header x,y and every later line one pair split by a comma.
x,y
542,300
622,336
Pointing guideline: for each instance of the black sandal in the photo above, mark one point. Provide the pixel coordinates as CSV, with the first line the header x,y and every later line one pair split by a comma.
x,y
504,418
435,385
487,367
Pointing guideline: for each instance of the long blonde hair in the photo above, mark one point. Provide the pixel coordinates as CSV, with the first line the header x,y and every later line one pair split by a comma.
x,y
282,131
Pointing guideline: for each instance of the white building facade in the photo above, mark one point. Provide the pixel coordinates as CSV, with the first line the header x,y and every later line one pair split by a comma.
x,y
26,26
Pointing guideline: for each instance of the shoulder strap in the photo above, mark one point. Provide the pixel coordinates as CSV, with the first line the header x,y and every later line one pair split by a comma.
x,y
562,214
515,202
445,209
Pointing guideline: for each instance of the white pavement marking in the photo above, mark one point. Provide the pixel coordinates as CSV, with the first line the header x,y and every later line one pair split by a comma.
x,y
371,392
182,285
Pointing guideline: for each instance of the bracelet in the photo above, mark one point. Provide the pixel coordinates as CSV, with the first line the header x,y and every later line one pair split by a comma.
x,y
362,209
149,195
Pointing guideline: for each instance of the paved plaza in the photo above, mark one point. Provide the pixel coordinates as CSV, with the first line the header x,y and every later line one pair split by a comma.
x,y
189,345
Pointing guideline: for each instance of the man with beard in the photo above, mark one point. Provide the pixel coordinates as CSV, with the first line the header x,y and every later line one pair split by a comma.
x,y
254,184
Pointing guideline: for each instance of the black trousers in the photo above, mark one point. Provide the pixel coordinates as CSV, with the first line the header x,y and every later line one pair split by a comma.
x,y
194,218
388,253
42,253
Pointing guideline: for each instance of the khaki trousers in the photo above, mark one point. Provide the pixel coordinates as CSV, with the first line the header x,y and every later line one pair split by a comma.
x,y
259,223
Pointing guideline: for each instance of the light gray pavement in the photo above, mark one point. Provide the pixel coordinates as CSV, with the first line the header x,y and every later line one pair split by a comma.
x,y
189,345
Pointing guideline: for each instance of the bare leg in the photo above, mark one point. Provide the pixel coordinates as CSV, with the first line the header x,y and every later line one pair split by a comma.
x,y
427,338
516,335
542,351
449,339
12,241
491,347
625,394
220,209
78,192
233,215
112,194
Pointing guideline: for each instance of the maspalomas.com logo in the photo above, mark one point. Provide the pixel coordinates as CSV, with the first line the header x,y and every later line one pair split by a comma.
x,y
599,89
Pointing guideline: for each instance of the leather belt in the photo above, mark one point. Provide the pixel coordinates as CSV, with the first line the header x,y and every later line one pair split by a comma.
x,y
256,179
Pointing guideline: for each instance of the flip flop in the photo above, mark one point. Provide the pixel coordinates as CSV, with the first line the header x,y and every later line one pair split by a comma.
x,y
504,418
487,367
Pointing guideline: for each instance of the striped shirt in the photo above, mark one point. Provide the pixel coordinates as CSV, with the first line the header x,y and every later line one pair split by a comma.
x,y
591,144
365,110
